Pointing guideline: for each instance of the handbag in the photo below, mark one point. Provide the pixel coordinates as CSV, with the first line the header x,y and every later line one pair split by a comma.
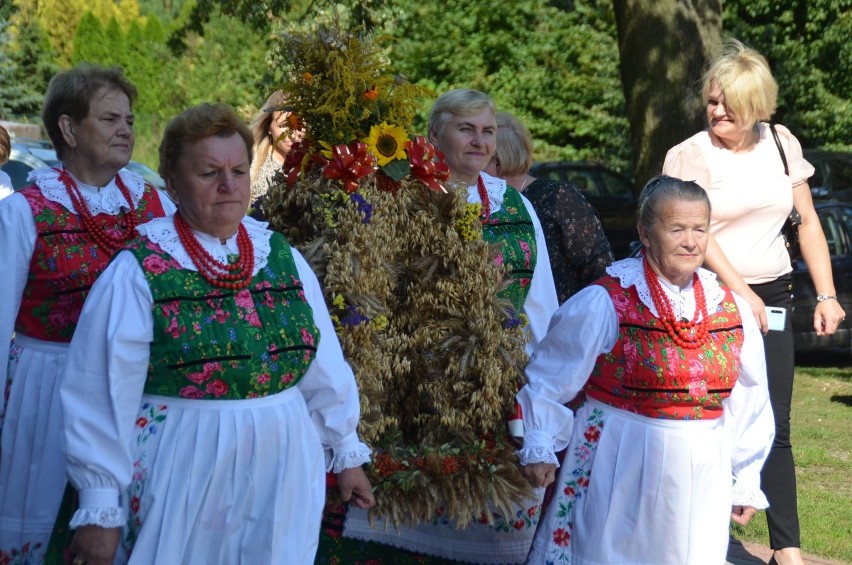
x,y
790,229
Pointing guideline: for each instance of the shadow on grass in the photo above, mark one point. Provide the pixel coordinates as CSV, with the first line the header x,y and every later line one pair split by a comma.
x,y
843,399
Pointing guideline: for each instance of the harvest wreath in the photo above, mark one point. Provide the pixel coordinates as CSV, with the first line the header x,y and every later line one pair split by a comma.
x,y
412,287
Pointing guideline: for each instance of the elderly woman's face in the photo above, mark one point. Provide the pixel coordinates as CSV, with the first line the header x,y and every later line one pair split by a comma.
x,y
102,142
211,184
468,142
676,242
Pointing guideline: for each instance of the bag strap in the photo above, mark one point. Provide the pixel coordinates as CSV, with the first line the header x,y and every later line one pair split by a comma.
x,y
780,149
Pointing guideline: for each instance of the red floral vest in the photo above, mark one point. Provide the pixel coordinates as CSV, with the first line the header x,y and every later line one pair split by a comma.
x,y
647,373
65,264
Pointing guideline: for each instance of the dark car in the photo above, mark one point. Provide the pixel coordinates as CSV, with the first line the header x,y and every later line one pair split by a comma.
x,y
612,194
833,176
29,154
836,220
23,158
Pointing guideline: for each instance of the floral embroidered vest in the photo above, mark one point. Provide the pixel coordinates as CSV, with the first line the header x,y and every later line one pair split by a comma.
x,y
511,227
65,263
647,373
213,343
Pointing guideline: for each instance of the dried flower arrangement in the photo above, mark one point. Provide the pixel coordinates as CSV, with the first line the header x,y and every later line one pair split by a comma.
x,y
411,285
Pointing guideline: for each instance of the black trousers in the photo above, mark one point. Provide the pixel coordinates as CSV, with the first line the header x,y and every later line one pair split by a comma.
x,y
778,477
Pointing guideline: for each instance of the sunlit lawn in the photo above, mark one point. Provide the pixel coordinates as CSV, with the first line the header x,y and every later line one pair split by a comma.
x,y
822,444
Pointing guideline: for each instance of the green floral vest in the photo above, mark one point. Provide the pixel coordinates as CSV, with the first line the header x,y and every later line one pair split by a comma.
x,y
212,343
512,228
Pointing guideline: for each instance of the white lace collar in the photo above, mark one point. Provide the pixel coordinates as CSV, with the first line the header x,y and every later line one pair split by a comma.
x,y
106,200
162,232
495,188
630,272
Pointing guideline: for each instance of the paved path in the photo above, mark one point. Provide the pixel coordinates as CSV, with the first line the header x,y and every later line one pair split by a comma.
x,y
745,553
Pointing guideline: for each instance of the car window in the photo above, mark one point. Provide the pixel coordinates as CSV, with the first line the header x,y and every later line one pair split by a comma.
x,y
841,173
585,181
616,186
18,172
833,233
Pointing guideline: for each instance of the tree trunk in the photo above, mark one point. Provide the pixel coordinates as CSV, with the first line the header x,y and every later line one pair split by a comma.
x,y
664,45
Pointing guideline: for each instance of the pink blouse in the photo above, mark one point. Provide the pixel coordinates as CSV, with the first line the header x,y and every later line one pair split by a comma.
x,y
750,196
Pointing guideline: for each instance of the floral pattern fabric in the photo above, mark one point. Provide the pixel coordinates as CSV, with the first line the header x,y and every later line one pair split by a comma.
x,y
512,228
648,374
212,343
574,485
65,263
578,248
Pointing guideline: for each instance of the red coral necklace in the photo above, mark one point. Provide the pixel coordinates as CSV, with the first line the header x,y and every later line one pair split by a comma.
x,y
686,334
483,196
235,276
104,238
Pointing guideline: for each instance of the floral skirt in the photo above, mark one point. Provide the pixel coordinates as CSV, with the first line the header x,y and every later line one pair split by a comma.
x,y
636,490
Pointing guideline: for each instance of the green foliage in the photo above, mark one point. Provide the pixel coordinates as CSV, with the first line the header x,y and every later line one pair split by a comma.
x,y
807,45
26,65
340,85
534,59
224,64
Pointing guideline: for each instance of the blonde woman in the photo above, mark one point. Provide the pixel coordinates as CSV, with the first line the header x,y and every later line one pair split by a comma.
x,y
753,181
274,131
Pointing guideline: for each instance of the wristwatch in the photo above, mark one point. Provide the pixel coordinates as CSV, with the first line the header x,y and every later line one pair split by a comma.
x,y
824,297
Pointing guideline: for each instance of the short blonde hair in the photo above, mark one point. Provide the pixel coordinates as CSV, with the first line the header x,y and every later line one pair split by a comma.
x,y
458,102
744,77
514,145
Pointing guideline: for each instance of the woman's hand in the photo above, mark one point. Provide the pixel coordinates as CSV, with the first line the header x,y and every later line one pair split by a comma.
x,y
758,308
827,317
355,487
715,260
94,545
742,515
540,474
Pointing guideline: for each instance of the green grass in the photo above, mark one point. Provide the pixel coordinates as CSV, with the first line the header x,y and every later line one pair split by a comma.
x,y
822,446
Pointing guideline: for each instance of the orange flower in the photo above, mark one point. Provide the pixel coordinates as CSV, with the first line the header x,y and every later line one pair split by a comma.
x,y
308,77
372,93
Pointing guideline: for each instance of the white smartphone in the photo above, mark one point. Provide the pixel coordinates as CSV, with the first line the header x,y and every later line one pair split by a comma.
x,y
777,318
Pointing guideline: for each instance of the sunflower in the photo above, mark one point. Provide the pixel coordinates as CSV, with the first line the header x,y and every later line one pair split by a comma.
x,y
387,143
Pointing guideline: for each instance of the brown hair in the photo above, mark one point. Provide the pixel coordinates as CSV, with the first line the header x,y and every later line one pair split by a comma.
x,y
5,145
70,93
193,125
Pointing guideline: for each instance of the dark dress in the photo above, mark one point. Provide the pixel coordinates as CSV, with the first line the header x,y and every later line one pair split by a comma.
x,y
579,251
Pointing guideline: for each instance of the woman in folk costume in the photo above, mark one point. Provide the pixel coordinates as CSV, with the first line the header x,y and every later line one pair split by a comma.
x,y
56,237
206,392
673,423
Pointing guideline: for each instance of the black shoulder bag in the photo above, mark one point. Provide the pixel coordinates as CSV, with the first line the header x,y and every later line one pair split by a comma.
x,y
790,230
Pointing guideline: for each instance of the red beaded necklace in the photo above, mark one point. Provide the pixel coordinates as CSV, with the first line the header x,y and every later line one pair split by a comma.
x,y
235,276
483,196
105,239
686,334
